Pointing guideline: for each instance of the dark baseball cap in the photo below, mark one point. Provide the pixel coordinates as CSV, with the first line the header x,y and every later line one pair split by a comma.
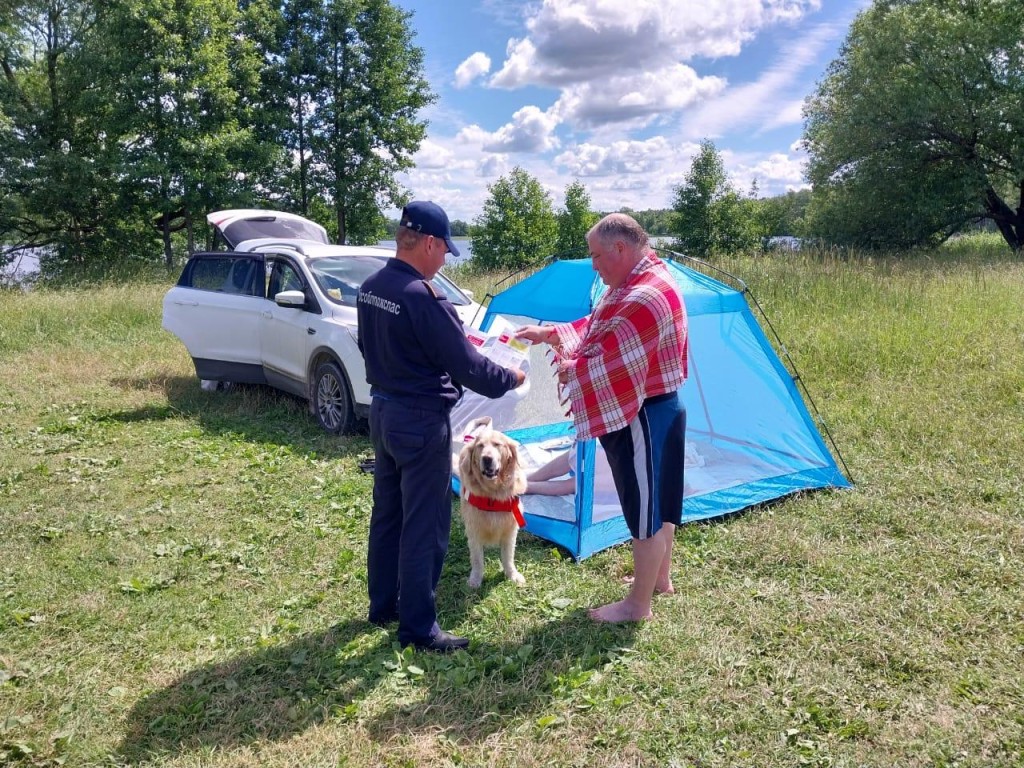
x,y
430,219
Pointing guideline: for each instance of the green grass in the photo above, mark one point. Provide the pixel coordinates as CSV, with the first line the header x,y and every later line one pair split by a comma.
x,y
182,573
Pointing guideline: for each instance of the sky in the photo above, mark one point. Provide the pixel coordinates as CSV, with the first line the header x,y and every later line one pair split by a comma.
x,y
617,94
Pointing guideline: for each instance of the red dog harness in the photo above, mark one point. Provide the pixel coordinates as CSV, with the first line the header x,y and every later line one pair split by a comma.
x,y
494,505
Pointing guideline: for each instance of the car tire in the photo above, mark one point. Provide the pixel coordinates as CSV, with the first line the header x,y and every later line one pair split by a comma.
x,y
331,400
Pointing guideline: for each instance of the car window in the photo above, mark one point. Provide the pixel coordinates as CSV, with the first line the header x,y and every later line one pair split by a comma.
x,y
341,276
451,290
230,274
272,226
283,277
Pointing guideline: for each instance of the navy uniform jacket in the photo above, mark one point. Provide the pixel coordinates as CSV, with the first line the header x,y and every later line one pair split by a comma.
x,y
414,345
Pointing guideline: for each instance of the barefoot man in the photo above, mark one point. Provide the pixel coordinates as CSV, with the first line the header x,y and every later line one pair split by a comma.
x,y
621,369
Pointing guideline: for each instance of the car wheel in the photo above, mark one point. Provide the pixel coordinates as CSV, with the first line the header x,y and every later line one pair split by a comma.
x,y
332,402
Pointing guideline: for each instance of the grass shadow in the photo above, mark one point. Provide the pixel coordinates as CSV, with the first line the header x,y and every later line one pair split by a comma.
x,y
250,411
473,695
272,694
268,694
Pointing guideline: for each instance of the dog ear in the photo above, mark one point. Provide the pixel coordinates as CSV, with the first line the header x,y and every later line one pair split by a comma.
x,y
511,454
466,468
476,428
518,476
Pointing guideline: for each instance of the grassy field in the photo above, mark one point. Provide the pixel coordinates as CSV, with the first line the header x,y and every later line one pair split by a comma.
x,y
182,573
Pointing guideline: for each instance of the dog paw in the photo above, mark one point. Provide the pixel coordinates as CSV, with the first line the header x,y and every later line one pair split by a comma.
x,y
517,578
475,580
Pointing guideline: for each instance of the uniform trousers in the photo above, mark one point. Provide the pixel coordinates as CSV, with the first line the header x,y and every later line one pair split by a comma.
x,y
412,514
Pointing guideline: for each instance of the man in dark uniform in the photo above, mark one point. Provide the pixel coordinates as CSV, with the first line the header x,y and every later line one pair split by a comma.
x,y
417,361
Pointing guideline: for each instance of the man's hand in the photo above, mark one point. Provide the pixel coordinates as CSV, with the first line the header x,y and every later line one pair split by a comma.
x,y
520,377
536,333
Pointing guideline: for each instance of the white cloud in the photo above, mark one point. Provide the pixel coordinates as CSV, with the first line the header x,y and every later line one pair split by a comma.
x,y
610,68
636,97
789,113
492,166
433,155
627,184
575,41
620,157
473,67
640,174
776,171
758,103
531,130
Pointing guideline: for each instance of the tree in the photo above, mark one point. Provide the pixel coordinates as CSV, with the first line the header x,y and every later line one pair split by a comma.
x,y
655,221
576,220
782,215
364,126
51,188
121,115
169,71
917,130
300,30
710,216
517,227
705,183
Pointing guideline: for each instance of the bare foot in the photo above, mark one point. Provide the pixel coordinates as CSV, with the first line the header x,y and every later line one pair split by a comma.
x,y
614,613
660,588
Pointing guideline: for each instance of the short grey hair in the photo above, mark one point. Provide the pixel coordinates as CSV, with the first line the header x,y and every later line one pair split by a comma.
x,y
406,239
620,226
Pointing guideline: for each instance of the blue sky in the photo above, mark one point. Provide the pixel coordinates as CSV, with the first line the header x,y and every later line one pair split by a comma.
x,y
616,93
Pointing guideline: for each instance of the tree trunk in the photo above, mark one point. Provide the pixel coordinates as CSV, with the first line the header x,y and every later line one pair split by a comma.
x,y
341,73
1009,222
303,196
165,231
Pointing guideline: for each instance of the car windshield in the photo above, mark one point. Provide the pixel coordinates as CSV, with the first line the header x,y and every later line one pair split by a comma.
x,y
271,226
340,277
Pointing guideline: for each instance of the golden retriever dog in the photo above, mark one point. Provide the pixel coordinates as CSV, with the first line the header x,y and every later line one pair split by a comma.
x,y
492,482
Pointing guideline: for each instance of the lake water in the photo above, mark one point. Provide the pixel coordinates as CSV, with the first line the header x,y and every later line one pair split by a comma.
x,y
465,251
28,263
24,265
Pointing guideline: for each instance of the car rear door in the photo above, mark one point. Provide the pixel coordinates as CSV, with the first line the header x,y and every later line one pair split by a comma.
x,y
287,333
215,310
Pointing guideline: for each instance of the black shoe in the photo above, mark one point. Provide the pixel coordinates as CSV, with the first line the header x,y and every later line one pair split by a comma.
x,y
443,642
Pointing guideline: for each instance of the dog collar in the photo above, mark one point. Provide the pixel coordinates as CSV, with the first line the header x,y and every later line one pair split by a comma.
x,y
499,505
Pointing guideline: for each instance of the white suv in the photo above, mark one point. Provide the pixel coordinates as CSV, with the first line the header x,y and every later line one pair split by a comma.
x,y
278,307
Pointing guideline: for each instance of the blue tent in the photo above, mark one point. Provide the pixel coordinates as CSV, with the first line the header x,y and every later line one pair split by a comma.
x,y
750,436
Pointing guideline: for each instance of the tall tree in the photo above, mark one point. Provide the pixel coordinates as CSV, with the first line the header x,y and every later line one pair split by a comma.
x,y
917,129
51,189
365,126
576,220
704,185
301,29
175,110
517,226
710,216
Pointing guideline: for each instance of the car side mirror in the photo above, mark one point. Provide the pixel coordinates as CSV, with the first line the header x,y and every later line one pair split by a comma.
x,y
292,299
